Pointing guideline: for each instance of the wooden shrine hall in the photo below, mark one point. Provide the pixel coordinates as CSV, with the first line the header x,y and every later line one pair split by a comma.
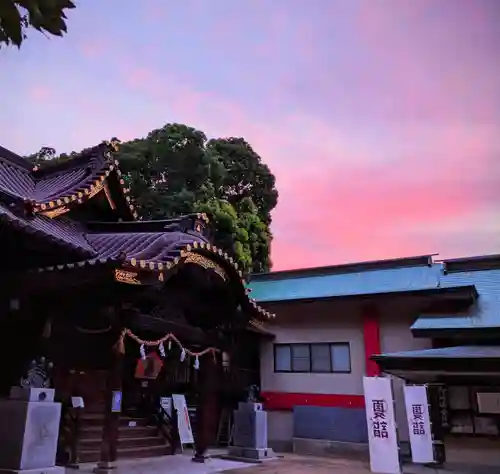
x,y
100,302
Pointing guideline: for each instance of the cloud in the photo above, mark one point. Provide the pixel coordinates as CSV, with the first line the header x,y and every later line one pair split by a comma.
x,y
39,93
379,119
95,48
343,196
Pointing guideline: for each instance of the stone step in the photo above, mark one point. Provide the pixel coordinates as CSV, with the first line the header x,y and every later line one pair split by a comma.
x,y
93,455
96,419
95,432
95,409
128,442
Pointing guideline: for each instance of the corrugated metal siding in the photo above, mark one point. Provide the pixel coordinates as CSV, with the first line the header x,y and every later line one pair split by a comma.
x,y
485,313
335,424
347,284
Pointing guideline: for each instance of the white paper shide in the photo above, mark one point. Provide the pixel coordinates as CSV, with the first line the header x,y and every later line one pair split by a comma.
x,y
419,425
382,438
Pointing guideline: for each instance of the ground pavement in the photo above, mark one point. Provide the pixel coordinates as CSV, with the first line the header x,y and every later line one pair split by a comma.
x,y
287,464
181,464
294,464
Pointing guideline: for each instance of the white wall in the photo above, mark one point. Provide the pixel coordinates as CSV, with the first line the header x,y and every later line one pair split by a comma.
x,y
335,322
314,322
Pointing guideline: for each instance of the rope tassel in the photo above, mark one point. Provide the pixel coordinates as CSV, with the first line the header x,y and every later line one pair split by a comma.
x,y
160,344
119,346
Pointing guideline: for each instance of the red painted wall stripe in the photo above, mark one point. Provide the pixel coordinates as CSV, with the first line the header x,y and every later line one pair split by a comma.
x,y
371,336
286,401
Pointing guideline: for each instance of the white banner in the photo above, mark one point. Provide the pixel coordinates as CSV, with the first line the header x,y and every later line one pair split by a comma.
x,y
183,421
382,438
419,424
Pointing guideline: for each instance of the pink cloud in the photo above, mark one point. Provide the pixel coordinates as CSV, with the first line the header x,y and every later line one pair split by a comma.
x,y
94,48
39,93
338,203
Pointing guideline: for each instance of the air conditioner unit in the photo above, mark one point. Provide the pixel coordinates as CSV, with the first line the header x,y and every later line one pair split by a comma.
x,y
488,402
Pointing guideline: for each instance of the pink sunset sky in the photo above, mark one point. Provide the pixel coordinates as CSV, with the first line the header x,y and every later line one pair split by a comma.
x,y
379,118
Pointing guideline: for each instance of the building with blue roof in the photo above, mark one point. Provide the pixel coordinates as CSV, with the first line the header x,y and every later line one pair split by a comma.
x,y
417,320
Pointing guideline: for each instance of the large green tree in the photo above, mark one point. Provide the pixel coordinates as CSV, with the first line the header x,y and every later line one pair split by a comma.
x,y
174,170
17,16
241,173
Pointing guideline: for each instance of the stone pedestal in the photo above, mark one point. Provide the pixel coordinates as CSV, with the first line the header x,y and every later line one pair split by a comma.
x,y
28,433
250,433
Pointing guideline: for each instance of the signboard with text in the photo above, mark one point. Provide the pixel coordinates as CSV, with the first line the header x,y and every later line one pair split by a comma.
x,y
419,425
382,437
183,421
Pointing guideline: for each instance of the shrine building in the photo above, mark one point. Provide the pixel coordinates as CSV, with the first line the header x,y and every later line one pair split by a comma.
x,y
114,315
417,320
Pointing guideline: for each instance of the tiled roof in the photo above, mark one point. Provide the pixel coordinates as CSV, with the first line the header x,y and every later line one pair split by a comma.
x,y
60,231
152,246
15,180
61,184
157,252
42,185
64,183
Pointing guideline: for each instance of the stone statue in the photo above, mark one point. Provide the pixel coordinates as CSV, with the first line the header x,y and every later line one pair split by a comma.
x,y
38,374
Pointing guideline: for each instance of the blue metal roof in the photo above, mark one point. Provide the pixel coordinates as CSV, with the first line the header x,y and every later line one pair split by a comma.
x,y
346,284
485,313
458,352
406,275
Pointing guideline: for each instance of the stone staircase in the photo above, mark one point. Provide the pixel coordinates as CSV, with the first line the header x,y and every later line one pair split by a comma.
x,y
136,438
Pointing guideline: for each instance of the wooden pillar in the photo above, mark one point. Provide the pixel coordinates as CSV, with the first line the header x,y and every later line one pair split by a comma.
x,y
109,442
206,408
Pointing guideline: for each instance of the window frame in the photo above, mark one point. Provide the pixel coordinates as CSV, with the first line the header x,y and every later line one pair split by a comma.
x,y
290,345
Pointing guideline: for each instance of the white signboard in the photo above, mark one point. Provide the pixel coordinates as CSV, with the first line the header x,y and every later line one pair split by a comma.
x,y
417,412
183,421
382,440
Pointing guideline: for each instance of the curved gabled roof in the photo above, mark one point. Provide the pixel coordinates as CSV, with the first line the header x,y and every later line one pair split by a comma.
x,y
159,253
55,188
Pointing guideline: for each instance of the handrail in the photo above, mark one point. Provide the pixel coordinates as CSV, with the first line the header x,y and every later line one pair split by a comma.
x,y
68,449
167,425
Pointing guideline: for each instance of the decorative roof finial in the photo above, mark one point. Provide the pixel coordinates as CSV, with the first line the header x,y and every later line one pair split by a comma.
x,y
114,144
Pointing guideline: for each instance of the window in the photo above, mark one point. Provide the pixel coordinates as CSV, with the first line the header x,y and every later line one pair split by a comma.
x,y
316,358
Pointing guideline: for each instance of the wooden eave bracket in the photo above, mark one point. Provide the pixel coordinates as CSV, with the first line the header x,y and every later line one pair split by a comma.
x,y
163,269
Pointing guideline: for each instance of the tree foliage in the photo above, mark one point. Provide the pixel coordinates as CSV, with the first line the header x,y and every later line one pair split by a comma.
x,y
45,16
174,170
